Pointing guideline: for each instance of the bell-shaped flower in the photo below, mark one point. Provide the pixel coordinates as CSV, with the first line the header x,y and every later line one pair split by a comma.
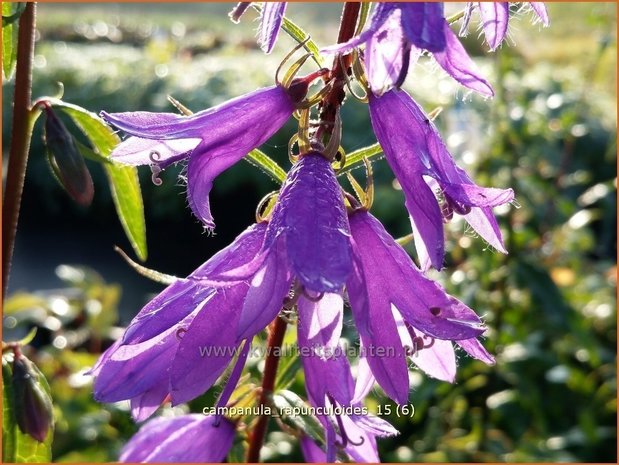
x,y
212,140
495,19
183,439
329,384
182,340
386,287
307,242
397,35
420,161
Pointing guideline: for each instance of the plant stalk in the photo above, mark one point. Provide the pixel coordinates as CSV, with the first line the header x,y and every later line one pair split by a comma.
x,y
21,134
276,338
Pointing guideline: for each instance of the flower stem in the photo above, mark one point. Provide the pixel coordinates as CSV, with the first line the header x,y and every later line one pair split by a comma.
x,y
276,338
21,133
339,72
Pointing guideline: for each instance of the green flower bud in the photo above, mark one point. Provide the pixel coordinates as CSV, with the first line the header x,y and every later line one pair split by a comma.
x,y
66,161
33,405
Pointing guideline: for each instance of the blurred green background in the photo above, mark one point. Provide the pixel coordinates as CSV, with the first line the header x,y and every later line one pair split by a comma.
x,y
550,133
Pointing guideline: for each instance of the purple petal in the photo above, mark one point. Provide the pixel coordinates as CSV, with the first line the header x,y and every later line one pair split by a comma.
x,y
323,375
372,424
324,321
473,195
234,377
422,302
423,24
242,117
541,12
207,346
474,348
387,56
310,214
372,313
312,453
365,378
144,405
456,62
136,151
364,449
495,18
270,23
482,220
189,438
266,294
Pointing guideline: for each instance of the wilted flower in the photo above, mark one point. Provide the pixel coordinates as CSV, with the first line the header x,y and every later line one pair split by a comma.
x,y
212,139
386,288
495,19
397,35
186,438
420,161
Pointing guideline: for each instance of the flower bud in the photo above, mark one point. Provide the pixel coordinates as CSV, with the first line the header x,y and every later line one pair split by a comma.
x,y
66,161
33,405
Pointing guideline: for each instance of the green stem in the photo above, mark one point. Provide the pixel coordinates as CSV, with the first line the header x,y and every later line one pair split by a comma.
x,y
23,123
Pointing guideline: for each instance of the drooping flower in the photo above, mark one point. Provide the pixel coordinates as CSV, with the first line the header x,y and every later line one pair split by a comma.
x,y
184,439
397,35
271,17
307,242
212,140
421,162
386,288
182,340
495,19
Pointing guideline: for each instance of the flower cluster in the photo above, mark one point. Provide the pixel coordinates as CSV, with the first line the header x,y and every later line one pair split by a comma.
x,y
317,251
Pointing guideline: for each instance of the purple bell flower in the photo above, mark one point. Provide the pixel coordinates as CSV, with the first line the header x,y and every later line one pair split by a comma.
x,y
212,140
271,18
495,19
397,35
420,161
307,242
184,439
163,350
387,292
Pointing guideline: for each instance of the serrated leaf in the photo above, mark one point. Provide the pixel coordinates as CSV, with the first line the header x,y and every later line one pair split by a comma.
x,y
9,41
17,446
123,180
261,160
294,411
354,159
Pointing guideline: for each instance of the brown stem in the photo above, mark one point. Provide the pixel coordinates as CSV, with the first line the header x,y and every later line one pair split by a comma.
x,y
20,138
276,338
341,68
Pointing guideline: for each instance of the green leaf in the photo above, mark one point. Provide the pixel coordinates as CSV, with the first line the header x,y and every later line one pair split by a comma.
x,y
354,159
17,446
288,372
124,182
9,41
294,411
8,15
267,165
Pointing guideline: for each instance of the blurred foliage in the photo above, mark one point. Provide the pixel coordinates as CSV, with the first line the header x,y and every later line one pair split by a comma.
x,y
550,133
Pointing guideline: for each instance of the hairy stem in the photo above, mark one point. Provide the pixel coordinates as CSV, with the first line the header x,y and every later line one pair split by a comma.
x,y
276,338
339,72
20,138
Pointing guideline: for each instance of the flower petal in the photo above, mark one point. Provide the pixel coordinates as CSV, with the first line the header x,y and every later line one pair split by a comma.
x,y
310,214
495,18
474,348
482,220
270,23
137,151
423,24
541,12
456,62
268,288
207,346
144,405
365,378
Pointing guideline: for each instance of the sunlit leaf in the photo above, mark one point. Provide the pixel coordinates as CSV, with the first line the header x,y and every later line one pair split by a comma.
x,y
261,160
355,159
9,39
124,182
295,412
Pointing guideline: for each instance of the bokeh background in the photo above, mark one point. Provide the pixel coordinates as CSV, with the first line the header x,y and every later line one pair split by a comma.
x,y
550,133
